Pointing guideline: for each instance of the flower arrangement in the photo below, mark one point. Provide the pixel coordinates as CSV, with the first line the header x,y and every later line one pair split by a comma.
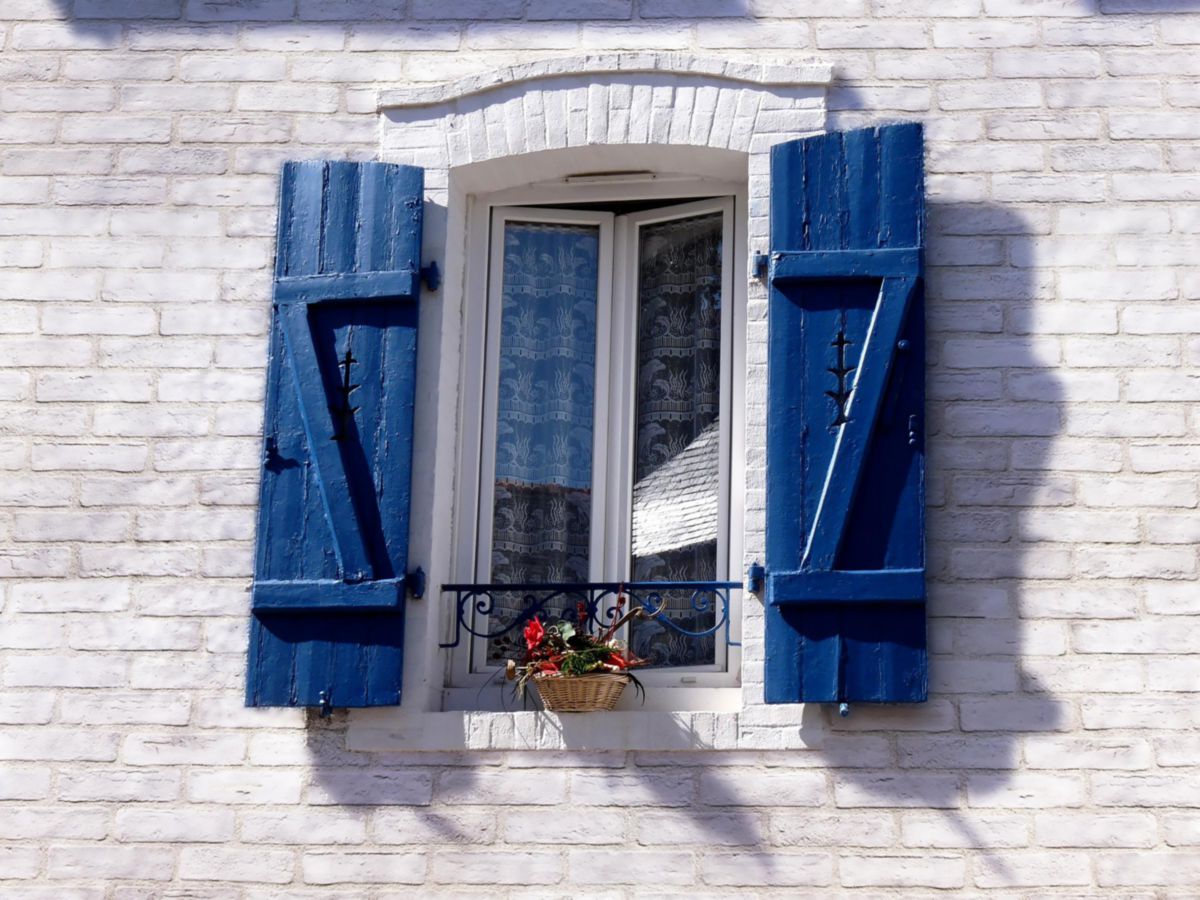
x,y
565,665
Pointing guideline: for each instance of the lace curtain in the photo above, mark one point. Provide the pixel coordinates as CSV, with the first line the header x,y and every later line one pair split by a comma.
x,y
542,495
677,468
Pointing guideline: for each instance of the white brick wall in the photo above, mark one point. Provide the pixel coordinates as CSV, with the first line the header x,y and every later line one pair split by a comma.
x,y
1060,752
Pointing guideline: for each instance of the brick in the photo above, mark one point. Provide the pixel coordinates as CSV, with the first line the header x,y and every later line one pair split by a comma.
x,y
151,491
287,98
1165,713
72,526
239,10
138,825
1043,63
88,387
308,827
55,98
215,454
45,353
27,707
373,868
982,830
1031,868
772,869
135,708
110,65
40,823
244,786
475,9
148,560
749,788
1095,830
895,870
1144,790
24,783
404,788
1026,790
110,633
237,865
172,749
209,525
110,862
20,862
45,745
393,825
905,790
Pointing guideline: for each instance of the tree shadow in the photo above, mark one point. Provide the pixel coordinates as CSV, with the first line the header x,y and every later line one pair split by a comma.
x,y
995,407
412,25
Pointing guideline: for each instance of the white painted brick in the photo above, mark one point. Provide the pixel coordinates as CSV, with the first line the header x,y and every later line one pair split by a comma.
x,y
222,864
408,788
772,869
371,868
936,871
24,782
454,826
1144,790
1092,830
41,823
109,862
104,457
57,745
164,826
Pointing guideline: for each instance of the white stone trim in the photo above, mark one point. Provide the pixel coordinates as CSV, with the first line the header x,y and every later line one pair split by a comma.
x,y
766,73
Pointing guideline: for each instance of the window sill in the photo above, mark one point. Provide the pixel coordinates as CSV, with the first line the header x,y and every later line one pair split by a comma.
x,y
386,730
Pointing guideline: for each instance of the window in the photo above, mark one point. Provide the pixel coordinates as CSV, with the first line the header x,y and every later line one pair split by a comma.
x,y
606,422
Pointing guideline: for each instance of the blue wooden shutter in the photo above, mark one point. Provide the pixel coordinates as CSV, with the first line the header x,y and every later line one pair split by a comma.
x,y
845,458
332,549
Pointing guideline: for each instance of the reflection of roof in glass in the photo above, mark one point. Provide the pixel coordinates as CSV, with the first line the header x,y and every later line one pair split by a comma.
x,y
676,505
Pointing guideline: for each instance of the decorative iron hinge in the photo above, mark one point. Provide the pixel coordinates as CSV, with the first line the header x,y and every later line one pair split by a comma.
x,y
343,412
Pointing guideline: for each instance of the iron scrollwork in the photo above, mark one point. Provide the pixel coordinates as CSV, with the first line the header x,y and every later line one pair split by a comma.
x,y
592,606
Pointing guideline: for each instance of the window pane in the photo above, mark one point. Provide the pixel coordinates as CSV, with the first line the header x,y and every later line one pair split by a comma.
x,y
677,465
542,495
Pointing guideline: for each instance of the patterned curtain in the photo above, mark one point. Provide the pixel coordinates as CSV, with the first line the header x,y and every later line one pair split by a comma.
x,y
675,496
542,494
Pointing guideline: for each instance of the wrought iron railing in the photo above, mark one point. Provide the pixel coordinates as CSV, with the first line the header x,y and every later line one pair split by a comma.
x,y
593,607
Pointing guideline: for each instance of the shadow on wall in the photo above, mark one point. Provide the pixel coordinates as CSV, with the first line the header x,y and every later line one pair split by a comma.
x,y
419,24
995,407
430,24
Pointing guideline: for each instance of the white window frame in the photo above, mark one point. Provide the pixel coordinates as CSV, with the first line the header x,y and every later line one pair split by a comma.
x,y
700,688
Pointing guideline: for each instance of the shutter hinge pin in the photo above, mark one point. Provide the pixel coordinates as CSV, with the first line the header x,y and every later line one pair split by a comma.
x,y
912,431
431,275
843,710
755,577
323,698
415,582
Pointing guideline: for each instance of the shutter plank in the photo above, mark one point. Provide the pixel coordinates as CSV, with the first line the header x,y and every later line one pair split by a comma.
x,y
854,438
319,427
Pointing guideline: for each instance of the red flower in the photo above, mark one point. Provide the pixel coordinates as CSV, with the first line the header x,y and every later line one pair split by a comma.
x,y
617,660
534,632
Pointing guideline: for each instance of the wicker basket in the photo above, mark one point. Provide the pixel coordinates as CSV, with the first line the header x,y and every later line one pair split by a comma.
x,y
582,693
